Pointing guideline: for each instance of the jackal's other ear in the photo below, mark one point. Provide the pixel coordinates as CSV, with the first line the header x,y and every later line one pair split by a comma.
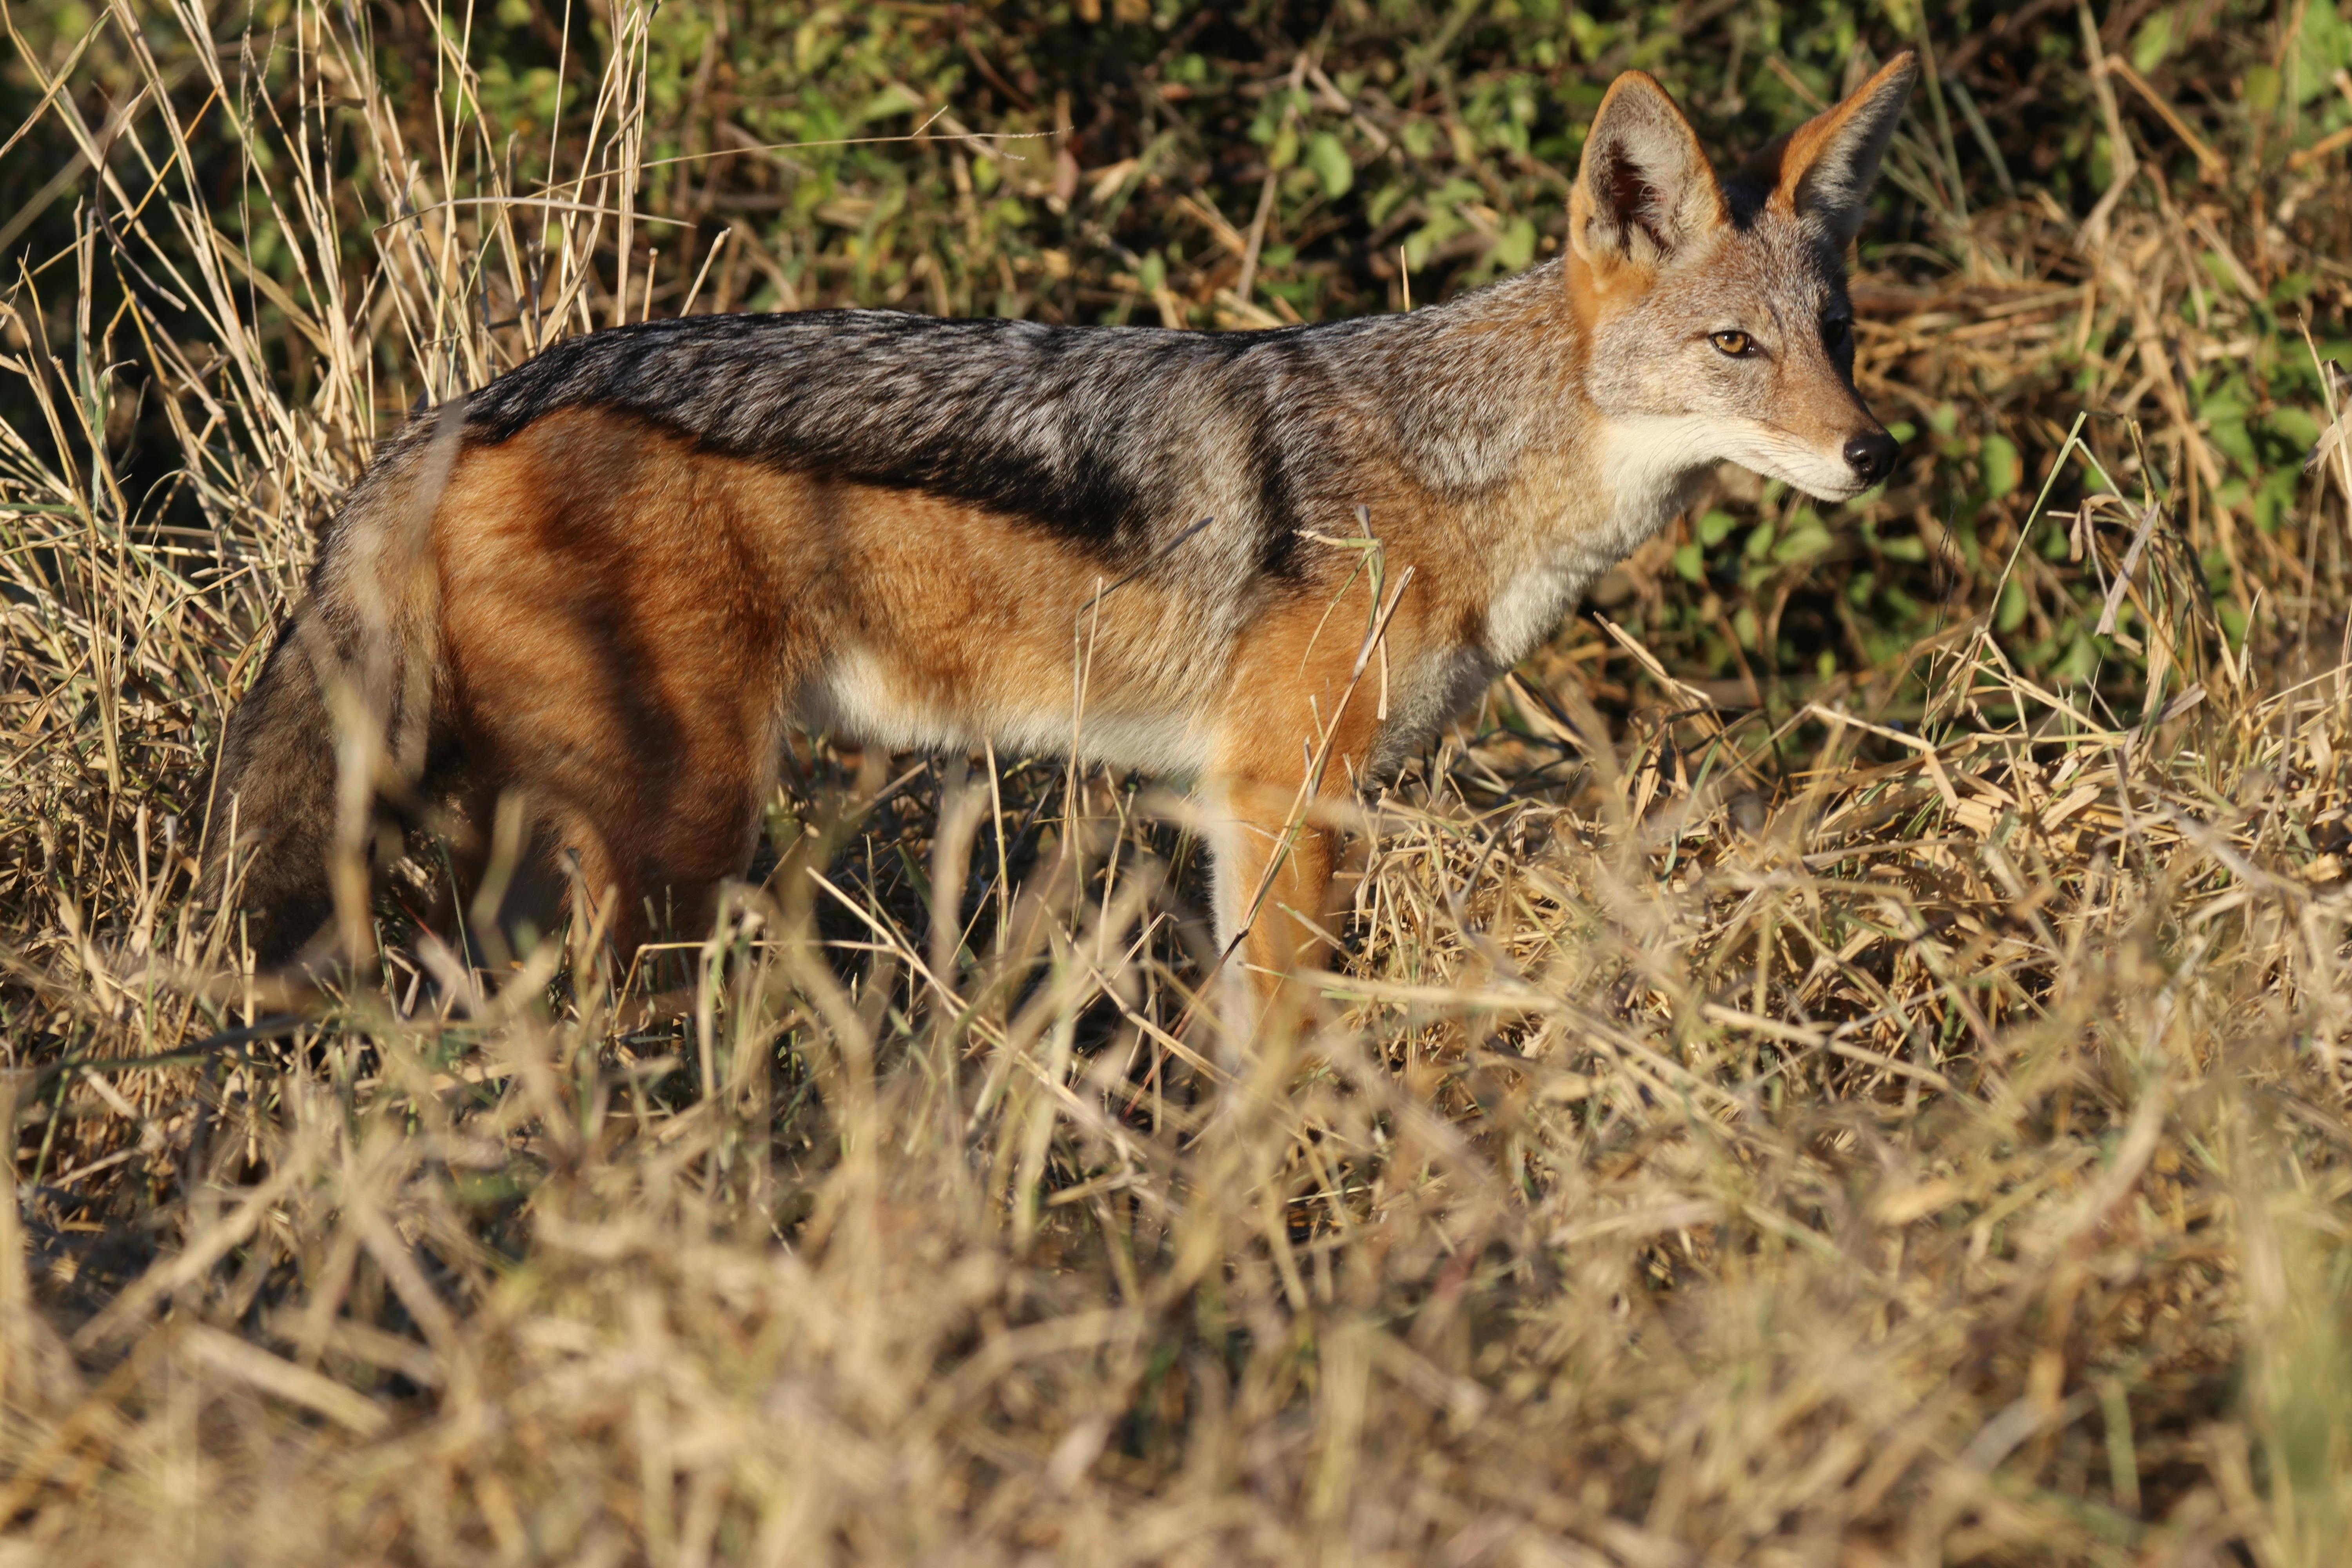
x,y
1822,171
1645,190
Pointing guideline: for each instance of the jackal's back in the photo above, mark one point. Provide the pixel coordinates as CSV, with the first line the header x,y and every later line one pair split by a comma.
x,y
1105,435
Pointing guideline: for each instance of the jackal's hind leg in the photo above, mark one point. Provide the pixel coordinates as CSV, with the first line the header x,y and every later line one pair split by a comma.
x,y
644,834
660,855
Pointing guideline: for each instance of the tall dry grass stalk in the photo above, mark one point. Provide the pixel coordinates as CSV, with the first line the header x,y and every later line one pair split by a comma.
x,y
1932,1153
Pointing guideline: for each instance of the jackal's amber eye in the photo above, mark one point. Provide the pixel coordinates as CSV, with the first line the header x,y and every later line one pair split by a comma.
x,y
1736,345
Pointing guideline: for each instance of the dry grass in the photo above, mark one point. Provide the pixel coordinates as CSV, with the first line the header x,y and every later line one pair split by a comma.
x,y
1772,1135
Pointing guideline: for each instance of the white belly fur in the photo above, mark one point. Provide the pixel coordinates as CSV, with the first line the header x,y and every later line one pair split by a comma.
x,y
860,697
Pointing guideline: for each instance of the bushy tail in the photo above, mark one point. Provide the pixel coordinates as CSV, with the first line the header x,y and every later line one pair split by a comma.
x,y
339,716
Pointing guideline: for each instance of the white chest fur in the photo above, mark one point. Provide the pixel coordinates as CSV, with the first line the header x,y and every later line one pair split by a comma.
x,y
1636,478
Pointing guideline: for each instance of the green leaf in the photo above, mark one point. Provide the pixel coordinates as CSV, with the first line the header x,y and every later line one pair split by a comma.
x,y
2011,613
2295,424
1715,527
2153,41
2000,465
2275,501
1284,152
2229,401
2230,436
1806,538
2260,88
1516,247
1418,245
2323,46
892,99
2293,289
1690,562
1328,156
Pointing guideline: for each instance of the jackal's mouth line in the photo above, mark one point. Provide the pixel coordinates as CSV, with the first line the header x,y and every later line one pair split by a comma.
x,y
1824,477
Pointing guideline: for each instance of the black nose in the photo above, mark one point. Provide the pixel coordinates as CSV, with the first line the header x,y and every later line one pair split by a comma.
x,y
1872,454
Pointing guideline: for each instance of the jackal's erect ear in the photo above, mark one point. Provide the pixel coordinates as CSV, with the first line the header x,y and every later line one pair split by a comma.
x,y
1645,190
1822,171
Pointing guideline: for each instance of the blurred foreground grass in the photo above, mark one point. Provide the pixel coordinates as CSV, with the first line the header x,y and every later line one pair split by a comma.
x,y
1841,1058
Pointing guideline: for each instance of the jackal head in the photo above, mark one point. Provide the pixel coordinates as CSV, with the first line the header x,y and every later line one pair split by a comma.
x,y
1718,324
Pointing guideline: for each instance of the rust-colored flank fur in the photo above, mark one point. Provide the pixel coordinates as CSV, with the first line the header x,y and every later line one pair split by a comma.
x,y
625,621
609,583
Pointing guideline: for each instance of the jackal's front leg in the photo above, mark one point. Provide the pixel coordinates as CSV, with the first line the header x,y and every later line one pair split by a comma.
x,y
1273,869
1282,772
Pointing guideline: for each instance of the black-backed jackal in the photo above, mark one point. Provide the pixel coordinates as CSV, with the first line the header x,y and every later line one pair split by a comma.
x,y
606,583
